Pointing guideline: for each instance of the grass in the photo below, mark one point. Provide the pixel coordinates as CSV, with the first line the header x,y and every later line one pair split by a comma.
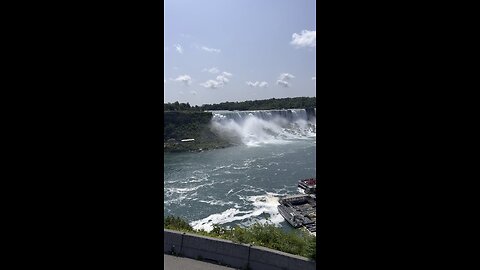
x,y
295,242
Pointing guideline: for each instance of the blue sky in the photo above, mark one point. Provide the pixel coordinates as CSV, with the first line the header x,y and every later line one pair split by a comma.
x,y
236,50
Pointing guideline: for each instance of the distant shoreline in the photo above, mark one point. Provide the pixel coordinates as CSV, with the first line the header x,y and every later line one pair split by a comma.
x,y
182,147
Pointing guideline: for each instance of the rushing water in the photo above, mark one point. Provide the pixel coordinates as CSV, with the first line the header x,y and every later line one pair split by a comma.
x,y
242,184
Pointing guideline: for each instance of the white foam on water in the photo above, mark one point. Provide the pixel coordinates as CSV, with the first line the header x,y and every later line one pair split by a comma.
x,y
183,190
170,182
226,216
222,167
216,202
194,179
253,189
262,205
176,200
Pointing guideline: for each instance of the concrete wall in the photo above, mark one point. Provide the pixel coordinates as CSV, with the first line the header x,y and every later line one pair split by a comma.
x,y
232,254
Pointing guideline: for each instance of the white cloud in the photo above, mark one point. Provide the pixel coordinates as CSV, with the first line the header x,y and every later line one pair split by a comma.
x,y
285,77
210,49
212,70
178,47
187,80
193,92
222,78
220,81
251,84
259,84
305,39
283,83
212,84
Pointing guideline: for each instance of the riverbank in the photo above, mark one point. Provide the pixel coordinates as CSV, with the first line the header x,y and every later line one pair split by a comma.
x,y
174,146
186,131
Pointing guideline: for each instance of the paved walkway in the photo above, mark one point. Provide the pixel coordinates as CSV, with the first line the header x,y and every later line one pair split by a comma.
x,y
180,263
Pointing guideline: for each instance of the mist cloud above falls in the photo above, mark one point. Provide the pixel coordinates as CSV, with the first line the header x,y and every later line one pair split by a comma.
x,y
262,127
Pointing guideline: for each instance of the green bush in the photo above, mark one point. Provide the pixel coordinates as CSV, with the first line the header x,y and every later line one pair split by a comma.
x,y
267,235
176,223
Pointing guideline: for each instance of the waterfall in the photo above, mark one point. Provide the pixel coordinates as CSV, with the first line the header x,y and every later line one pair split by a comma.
x,y
254,128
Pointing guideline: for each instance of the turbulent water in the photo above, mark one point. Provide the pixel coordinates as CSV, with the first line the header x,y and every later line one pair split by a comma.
x,y
242,184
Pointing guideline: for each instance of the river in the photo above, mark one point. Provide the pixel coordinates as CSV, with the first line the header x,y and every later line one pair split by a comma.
x,y
242,184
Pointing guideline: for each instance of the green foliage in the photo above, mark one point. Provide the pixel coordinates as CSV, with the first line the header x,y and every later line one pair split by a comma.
x,y
312,249
180,125
267,104
267,235
178,106
176,223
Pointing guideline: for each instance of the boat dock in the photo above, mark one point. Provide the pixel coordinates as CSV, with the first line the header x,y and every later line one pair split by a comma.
x,y
300,211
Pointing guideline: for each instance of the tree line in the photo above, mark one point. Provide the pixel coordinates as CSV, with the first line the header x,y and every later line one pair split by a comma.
x,y
266,104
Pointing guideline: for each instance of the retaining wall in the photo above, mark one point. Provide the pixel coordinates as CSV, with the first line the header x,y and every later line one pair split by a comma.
x,y
232,254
